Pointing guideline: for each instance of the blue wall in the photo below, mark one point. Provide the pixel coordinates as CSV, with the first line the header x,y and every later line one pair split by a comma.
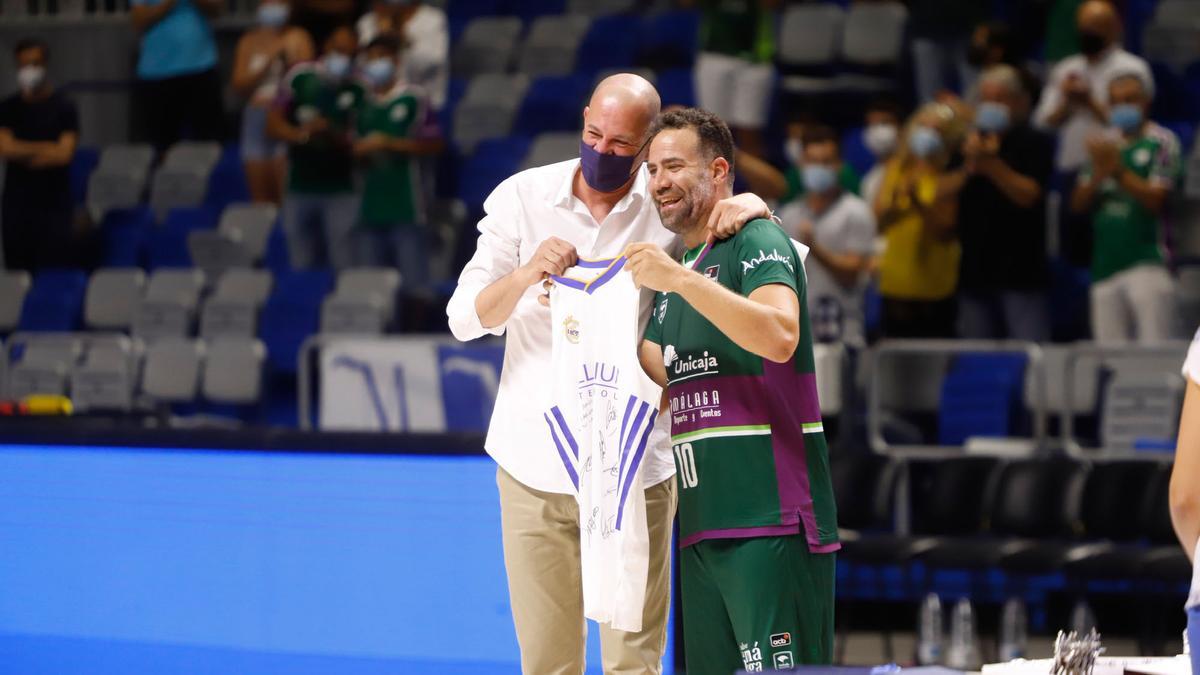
x,y
118,560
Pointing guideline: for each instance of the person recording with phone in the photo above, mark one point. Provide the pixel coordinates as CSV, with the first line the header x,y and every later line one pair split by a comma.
x,y
1003,273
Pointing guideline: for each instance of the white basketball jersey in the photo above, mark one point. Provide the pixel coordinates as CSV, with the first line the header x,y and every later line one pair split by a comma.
x,y
601,423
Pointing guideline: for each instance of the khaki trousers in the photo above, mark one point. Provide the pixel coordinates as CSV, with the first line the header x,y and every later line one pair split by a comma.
x,y
545,584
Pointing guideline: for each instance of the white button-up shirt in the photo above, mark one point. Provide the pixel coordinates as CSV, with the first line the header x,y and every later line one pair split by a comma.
x,y
521,213
1074,131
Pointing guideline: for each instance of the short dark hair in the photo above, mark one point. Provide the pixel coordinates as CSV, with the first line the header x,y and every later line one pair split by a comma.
x,y
886,105
714,135
386,41
25,44
821,134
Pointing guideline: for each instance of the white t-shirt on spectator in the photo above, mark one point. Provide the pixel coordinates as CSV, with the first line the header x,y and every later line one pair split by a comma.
x,y
847,226
427,57
1191,365
1073,133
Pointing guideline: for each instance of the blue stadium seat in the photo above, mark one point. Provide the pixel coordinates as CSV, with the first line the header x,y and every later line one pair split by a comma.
x,y
167,245
676,87
552,104
981,396
291,314
124,232
494,160
668,40
82,165
855,152
55,303
276,258
227,183
611,42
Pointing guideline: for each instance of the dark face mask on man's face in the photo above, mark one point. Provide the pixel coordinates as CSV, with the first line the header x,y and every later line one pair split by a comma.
x,y
1092,43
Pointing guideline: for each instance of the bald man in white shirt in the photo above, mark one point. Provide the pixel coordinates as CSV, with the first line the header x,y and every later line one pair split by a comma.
x,y
538,223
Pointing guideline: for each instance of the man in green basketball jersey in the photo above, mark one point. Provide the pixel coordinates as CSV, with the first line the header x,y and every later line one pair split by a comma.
x,y
314,115
395,129
730,341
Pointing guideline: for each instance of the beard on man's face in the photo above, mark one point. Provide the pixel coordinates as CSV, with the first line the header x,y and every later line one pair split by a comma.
x,y
680,216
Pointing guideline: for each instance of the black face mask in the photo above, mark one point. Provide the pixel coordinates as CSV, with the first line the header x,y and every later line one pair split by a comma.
x,y
1092,44
976,55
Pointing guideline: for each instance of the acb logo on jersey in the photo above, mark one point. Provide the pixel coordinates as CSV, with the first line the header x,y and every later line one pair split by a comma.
x,y
571,329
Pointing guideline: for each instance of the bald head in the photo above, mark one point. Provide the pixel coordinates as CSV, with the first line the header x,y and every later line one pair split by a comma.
x,y
628,97
1099,17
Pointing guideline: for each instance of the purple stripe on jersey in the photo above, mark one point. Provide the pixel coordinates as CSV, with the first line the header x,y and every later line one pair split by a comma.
x,y
594,264
607,276
793,401
566,431
627,443
744,400
703,254
562,454
625,420
633,467
569,282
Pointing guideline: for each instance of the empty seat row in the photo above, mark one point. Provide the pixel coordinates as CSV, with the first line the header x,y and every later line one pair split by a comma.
x,y
211,238
185,177
1037,516
817,40
117,374
566,43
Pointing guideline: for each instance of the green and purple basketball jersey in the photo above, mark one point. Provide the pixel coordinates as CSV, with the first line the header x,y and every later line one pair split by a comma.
x,y
750,451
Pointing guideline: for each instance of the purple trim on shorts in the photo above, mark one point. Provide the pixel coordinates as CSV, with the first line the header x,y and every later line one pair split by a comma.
x,y
633,466
740,533
750,532
566,431
562,454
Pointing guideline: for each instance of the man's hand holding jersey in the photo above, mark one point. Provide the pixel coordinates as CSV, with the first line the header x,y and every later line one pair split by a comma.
x,y
767,322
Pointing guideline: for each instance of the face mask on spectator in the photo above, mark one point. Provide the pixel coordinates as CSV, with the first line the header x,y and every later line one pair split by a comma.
x,y
924,142
992,117
1091,44
880,139
379,71
30,77
793,148
272,15
819,178
336,64
604,173
1125,116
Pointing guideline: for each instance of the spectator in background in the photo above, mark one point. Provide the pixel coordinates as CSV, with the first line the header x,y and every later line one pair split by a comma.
x,y
39,128
179,87
1002,216
313,116
880,136
734,72
793,147
1075,99
264,55
395,128
918,271
423,31
320,18
939,46
1125,186
992,44
839,229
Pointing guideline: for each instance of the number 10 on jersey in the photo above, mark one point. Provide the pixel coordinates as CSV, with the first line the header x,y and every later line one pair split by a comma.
x,y
686,463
